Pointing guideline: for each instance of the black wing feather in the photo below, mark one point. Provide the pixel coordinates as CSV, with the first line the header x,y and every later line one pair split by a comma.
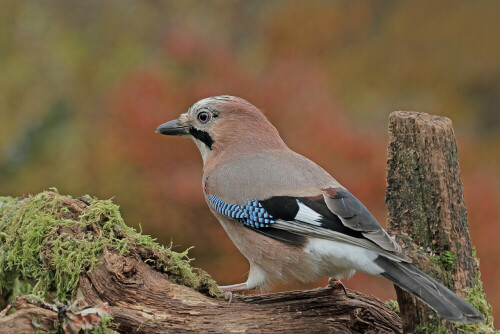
x,y
282,235
281,207
286,208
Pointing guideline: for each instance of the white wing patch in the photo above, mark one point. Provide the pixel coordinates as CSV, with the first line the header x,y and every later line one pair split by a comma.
x,y
308,215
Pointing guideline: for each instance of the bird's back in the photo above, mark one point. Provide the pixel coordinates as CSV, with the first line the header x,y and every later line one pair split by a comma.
x,y
252,176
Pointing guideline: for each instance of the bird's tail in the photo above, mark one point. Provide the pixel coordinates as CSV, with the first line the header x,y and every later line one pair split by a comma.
x,y
445,302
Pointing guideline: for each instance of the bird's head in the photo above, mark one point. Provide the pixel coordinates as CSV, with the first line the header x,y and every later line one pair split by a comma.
x,y
223,124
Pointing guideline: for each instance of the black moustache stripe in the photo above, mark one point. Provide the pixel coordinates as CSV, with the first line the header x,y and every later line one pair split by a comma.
x,y
202,136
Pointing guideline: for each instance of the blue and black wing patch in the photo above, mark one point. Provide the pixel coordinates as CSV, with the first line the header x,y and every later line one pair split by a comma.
x,y
252,214
255,216
260,215
281,207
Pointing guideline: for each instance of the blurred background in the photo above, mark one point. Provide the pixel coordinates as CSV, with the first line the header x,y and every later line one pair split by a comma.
x,y
84,84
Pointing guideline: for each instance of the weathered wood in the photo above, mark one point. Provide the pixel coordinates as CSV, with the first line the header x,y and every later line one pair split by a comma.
x,y
143,300
426,208
27,319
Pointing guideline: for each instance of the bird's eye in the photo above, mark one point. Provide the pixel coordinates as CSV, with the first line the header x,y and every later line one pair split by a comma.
x,y
204,117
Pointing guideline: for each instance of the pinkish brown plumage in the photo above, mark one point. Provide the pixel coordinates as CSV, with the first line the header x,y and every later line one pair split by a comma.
x,y
288,216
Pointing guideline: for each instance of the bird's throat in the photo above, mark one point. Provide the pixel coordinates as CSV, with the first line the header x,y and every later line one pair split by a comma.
x,y
202,136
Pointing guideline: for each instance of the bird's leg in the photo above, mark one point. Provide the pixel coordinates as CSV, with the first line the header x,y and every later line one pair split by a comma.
x,y
332,282
229,289
235,287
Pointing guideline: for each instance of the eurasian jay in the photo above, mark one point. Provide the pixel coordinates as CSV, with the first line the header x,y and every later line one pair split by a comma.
x,y
290,218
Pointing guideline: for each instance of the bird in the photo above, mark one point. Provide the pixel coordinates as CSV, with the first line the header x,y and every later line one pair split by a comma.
x,y
290,218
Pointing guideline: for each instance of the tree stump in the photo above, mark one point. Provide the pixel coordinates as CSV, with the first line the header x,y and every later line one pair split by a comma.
x,y
427,211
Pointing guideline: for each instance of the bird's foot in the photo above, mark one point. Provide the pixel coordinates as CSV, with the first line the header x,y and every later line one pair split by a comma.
x,y
335,283
229,289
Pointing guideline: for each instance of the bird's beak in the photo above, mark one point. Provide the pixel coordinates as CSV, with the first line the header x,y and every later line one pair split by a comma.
x,y
172,128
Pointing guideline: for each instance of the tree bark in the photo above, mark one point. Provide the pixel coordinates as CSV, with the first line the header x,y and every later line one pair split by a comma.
x,y
427,210
141,299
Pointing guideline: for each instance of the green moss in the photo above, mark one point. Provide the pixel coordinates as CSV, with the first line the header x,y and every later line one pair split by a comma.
x,y
429,329
20,288
105,326
45,243
393,305
445,261
476,297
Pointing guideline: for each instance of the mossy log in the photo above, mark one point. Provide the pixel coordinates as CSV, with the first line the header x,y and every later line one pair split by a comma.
x,y
79,252
428,217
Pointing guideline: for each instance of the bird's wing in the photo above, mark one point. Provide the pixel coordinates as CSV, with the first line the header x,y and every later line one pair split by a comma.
x,y
354,215
290,219
285,185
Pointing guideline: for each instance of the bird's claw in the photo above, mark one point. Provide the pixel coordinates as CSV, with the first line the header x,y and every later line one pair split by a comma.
x,y
228,295
332,282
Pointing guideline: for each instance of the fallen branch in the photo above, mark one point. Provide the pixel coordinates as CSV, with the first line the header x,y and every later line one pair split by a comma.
x,y
137,282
